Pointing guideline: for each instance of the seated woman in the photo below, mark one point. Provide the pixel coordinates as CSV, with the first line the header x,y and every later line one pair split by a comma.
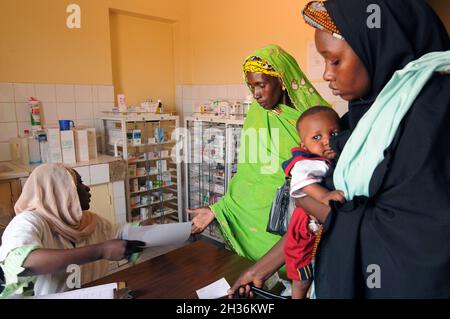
x,y
53,229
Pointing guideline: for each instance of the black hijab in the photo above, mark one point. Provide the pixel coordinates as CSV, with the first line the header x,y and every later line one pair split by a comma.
x,y
409,29
403,227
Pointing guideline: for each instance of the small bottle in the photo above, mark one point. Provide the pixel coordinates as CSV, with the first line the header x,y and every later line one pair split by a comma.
x,y
160,107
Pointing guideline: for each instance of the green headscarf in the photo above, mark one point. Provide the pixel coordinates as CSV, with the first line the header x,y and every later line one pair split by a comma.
x,y
267,140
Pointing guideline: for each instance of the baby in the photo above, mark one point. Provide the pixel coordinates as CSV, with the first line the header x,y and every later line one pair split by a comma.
x,y
307,167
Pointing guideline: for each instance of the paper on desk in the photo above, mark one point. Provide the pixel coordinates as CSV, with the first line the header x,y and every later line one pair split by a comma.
x,y
158,235
96,292
216,290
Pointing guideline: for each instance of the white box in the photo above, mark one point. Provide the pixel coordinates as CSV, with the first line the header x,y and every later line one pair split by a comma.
x,y
54,145
68,147
85,144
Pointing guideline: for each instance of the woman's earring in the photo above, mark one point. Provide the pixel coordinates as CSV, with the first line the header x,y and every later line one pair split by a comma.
x,y
283,88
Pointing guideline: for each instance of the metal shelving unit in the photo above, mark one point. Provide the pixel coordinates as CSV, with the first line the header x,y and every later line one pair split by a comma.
x,y
211,156
154,169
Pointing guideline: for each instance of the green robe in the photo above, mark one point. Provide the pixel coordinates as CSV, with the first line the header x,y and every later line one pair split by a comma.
x,y
267,140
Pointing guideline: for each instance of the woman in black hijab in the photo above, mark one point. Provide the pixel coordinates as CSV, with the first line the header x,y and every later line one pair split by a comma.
x,y
394,243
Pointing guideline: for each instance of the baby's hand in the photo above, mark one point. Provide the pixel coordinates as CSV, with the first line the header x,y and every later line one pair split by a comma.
x,y
337,196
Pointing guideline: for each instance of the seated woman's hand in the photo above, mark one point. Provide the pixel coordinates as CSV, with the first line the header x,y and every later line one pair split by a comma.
x,y
116,249
202,218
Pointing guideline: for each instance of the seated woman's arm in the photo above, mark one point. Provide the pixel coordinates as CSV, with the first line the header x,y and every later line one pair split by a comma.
x,y
46,261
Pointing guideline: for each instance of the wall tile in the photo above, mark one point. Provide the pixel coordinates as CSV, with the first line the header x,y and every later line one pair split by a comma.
x,y
65,93
105,93
66,111
8,130
84,110
49,112
22,112
6,92
85,123
7,112
22,126
242,91
187,92
222,92
45,92
188,107
102,106
5,154
84,93
179,92
23,91
195,92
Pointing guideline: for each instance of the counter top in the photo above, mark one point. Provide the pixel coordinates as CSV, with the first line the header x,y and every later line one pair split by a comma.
x,y
10,171
13,170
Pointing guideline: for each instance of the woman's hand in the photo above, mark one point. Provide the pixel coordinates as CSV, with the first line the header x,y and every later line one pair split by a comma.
x,y
336,196
202,218
116,249
262,270
242,285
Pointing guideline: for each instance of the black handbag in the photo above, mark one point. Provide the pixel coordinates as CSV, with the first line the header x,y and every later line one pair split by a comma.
x,y
282,208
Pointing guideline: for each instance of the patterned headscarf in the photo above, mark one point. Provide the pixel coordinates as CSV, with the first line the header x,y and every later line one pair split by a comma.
x,y
316,15
256,64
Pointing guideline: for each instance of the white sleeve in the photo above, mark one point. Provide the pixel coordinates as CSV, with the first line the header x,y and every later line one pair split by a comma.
x,y
305,173
25,229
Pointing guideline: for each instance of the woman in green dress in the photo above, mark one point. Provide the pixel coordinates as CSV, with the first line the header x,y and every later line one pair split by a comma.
x,y
281,92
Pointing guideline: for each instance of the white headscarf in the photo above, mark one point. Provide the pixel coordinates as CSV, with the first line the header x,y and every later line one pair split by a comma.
x,y
51,192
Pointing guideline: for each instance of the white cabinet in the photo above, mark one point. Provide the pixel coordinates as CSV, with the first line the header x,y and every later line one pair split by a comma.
x,y
102,202
99,174
9,193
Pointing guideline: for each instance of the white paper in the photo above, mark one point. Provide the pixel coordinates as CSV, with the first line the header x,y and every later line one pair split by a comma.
x,y
159,235
96,292
215,290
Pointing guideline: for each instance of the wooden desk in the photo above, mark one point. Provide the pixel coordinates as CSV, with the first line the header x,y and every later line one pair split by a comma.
x,y
179,273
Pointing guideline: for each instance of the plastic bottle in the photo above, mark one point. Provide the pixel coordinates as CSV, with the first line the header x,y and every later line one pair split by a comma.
x,y
35,114
43,146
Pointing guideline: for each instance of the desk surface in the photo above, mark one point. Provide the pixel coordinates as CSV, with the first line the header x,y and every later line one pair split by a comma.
x,y
179,273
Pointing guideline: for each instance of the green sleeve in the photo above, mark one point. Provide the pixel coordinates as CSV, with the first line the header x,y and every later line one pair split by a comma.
x,y
12,267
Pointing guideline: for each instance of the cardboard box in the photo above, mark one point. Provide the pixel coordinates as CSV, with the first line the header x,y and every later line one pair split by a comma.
x,y
68,147
85,144
54,145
